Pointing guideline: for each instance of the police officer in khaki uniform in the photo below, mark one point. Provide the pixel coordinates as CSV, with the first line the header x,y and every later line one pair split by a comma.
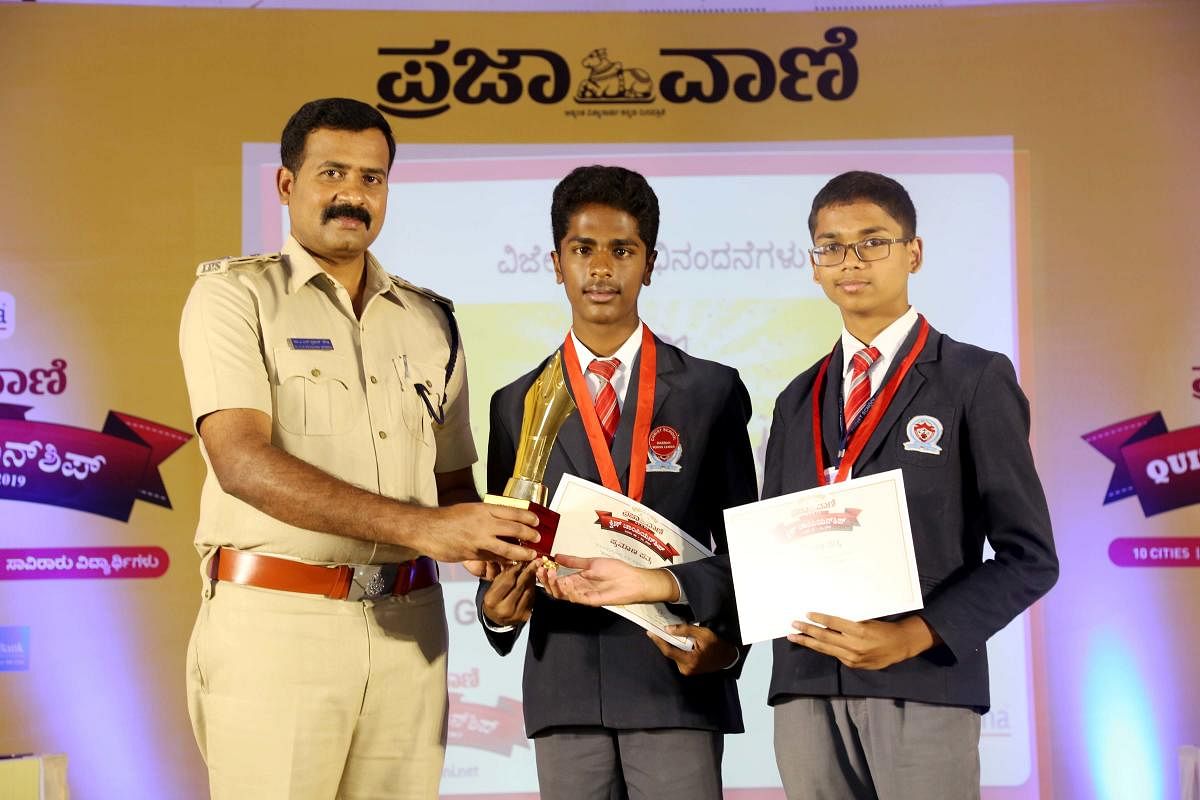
x,y
331,401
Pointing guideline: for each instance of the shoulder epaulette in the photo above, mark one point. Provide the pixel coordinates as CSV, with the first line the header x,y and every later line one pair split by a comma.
x,y
221,265
432,295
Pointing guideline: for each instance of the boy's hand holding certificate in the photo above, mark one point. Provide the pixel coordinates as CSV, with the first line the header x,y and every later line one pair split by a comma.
x,y
844,549
595,522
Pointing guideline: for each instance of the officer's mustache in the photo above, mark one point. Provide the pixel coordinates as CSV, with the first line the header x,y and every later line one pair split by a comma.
x,y
346,210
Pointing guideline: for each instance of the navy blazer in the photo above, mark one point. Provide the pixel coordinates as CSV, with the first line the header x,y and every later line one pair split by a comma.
x,y
588,666
981,486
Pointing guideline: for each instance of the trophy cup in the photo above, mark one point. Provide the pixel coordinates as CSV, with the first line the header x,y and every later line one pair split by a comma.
x,y
547,406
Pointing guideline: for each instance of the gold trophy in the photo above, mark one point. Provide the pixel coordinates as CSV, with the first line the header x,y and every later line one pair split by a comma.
x,y
547,406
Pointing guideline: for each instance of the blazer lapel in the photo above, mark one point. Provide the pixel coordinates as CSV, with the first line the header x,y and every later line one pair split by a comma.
x,y
667,362
831,405
572,441
907,391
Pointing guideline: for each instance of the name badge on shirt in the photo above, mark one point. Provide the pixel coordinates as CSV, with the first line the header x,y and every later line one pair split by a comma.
x,y
310,344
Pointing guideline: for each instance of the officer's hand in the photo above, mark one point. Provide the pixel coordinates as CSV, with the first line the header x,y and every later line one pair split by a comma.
x,y
509,600
476,531
709,653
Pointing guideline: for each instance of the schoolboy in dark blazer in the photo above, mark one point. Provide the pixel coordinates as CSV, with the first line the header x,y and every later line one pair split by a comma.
x,y
610,708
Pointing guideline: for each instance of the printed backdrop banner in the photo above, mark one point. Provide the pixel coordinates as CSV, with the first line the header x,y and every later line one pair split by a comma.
x,y
1162,469
111,469
1044,146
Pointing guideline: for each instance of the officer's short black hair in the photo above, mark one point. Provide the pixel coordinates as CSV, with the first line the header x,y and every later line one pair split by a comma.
x,y
337,113
615,187
870,187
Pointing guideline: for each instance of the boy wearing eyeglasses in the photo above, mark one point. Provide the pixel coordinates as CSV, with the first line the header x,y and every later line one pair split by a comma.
x,y
890,708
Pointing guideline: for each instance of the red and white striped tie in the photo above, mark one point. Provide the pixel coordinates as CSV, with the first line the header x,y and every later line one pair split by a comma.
x,y
606,399
859,391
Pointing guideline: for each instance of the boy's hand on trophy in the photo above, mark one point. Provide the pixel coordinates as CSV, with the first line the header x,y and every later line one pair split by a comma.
x,y
509,600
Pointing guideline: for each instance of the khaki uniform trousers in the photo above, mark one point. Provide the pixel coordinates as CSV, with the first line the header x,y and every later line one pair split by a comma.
x,y
299,697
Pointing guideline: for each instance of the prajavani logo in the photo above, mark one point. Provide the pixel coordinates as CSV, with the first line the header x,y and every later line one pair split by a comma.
x,y
420,82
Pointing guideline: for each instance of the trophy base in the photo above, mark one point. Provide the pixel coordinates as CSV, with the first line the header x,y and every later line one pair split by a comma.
x,y
547,521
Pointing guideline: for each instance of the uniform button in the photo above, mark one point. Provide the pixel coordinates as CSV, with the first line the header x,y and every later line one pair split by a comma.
x,y
316,373
428,385
374,379
383,434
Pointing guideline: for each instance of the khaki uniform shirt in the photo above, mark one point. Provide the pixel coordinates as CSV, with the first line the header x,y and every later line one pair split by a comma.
x,y
278,334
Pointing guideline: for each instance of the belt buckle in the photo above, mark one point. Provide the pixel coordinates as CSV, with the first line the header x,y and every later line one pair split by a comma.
x,y
371,581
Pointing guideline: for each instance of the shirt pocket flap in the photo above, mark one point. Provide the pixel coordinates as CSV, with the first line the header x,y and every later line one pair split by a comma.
x,y
314,366
423,378
317,392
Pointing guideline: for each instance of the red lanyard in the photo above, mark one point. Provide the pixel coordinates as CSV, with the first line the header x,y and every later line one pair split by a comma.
x,y
861,434
641,421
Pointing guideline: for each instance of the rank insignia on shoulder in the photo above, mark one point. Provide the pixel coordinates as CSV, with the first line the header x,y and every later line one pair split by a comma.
x,y
400,283
219,266
923,433
213,267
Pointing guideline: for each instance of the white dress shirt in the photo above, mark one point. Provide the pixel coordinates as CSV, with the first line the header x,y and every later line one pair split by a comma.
x,y
626,353
888,341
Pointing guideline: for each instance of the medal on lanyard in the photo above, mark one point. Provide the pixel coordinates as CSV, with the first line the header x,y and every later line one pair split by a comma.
x,y
855,439
647,375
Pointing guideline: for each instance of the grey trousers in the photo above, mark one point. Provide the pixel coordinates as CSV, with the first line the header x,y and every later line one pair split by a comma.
x,y
595,763
872,748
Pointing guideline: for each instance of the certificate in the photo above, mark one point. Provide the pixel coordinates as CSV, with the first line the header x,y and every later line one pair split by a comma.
x,y
844,549
594,521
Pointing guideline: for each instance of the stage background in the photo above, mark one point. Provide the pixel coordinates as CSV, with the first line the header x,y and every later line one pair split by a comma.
x,y
1051,153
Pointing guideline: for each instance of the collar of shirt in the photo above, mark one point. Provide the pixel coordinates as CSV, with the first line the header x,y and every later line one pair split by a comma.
x,y
888,341
626,354
303,268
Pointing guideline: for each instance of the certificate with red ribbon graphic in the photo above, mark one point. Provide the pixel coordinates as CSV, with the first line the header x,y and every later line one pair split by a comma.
x,y
844,549
594,521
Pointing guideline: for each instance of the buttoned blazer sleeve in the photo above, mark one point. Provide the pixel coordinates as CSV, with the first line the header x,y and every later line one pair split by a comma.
x,y
220,344
708,586
502,457
1011,512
